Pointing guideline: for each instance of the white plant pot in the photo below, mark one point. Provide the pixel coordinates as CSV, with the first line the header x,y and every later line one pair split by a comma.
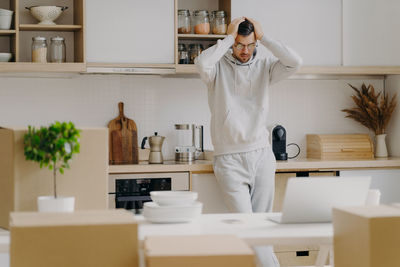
x,y
380,146
59,204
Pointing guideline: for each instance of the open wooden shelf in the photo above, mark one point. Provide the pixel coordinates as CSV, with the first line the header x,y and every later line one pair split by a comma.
x,y
41,67
58,28
7,32
71,26
201,36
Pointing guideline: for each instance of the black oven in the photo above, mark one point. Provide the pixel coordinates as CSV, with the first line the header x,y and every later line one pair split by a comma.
x,y
130,194
130,191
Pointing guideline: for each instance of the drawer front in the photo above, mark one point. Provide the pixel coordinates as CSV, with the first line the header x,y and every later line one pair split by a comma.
x,y
297,258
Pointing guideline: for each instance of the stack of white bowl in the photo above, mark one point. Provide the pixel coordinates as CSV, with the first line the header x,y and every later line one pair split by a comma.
x,y
5,24
172,207
5,19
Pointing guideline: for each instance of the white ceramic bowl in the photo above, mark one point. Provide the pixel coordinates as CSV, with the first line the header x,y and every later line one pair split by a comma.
x,y
6,12
46,14
171,214
5,57
5,20
173,198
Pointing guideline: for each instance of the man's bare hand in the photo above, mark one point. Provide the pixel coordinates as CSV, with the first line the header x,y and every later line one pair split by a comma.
x,y
234,26
257,28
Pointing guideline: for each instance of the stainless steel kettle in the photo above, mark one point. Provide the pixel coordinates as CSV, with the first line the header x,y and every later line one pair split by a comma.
x,y
155,142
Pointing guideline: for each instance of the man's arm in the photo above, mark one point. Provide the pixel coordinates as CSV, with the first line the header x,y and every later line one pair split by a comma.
x,y
207,60
287,63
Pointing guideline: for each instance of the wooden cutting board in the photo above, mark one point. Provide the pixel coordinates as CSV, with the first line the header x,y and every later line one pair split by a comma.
x,y
123,139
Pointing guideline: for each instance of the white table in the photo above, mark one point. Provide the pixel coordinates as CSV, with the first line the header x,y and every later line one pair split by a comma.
x,y
253,228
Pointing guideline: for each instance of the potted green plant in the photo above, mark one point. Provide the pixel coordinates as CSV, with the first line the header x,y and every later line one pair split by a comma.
x,y
373,110
53,147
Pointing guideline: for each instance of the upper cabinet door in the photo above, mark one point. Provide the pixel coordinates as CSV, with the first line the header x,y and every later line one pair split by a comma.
x,y
311,27
130,31
370,32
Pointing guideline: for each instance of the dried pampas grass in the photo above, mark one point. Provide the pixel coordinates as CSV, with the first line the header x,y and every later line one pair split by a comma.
x,y
372,110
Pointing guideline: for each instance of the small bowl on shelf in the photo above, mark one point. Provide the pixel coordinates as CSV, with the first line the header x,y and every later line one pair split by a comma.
x,y
46,14
5,19
5,57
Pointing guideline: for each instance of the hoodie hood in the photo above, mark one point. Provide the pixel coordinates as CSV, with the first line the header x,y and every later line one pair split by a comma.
x,y
235,63
229,56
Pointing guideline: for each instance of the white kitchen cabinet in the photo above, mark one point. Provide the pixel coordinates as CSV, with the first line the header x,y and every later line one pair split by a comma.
x,y
370,32
387,181
311,27
205,184
130,31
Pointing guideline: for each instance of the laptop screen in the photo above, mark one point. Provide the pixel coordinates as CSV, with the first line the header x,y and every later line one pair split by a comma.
x,y
311,199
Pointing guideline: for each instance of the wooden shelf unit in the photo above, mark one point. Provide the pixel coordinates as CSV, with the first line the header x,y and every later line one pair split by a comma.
x,y
7,32
70,25
57,28
7,67
182,4
201,36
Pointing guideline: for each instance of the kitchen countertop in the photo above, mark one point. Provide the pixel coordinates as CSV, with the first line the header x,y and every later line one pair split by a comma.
x,y
302,164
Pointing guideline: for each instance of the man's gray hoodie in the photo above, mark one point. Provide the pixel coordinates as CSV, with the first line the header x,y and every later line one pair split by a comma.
x,y
238,92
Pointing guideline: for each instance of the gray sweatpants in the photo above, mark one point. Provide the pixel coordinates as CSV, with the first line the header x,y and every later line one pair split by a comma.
x,y
247,181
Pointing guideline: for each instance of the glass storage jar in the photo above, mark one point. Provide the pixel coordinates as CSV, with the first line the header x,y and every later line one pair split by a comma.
x,y
201,22
184,21
194,51
219,22
183,54
39,49
57,49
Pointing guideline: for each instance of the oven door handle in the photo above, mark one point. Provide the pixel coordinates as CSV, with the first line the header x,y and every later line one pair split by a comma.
x,y
132,198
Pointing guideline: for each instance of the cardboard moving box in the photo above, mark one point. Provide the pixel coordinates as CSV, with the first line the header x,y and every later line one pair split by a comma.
x,y
367,236
22,181
79,239
197,251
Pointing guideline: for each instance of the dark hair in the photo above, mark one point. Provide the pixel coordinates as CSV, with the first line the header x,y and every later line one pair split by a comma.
x,y
245,28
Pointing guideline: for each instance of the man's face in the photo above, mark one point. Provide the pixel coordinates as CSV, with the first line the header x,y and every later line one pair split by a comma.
x,y
243,47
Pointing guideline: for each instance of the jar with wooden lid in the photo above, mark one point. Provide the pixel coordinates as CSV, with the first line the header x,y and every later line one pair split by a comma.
x,y
39,49
219,22
184,21
201,22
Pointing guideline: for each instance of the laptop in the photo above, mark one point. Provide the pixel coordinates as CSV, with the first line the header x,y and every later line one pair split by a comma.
x,y
310,200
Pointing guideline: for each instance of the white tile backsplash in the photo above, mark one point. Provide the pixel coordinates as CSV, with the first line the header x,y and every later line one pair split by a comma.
x,y
156,103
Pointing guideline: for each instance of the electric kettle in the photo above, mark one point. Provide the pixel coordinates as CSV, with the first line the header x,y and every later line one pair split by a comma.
x,y
155,142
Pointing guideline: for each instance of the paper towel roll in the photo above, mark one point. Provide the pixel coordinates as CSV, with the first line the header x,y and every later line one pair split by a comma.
x,y
373,197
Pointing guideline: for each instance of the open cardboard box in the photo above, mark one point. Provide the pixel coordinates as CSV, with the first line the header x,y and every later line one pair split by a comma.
x,y
22,181
100,238
367,236
197,251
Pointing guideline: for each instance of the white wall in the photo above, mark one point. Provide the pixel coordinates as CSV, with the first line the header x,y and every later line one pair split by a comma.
x,y
156,103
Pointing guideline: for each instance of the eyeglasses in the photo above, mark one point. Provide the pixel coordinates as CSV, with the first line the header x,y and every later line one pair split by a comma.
x,y
240,46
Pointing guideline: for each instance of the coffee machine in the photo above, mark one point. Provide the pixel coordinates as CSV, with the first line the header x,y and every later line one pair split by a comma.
x,y
279,142
189,142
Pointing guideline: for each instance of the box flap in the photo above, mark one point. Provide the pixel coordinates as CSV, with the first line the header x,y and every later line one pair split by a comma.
x,y
195,245
87,217
380,211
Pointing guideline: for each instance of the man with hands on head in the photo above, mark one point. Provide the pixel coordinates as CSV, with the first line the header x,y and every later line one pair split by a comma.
x,y
238,80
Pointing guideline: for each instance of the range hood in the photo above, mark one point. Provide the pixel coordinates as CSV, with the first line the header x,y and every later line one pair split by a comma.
x,y
126,68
